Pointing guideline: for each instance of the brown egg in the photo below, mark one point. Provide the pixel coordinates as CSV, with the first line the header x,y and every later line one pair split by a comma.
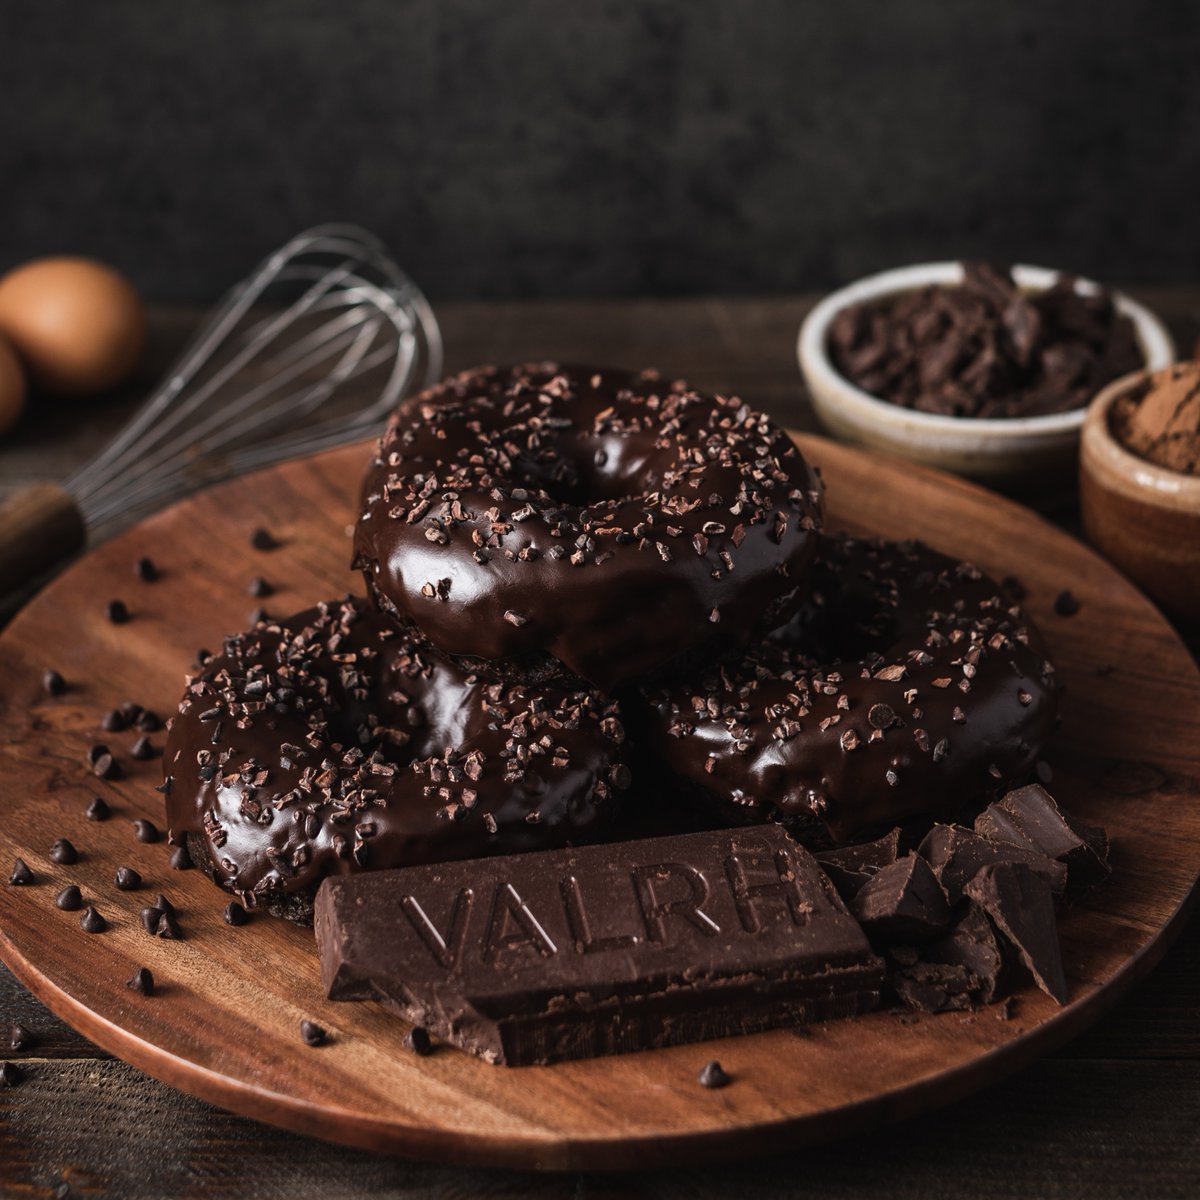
x,y
78,325
12,386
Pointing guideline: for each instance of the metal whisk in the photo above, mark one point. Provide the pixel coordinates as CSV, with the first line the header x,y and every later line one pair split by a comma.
x,y
311,351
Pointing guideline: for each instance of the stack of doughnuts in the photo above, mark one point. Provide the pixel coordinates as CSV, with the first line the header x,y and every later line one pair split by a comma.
x,y
565,565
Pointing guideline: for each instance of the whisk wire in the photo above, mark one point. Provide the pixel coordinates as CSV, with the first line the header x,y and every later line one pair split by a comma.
x,y
269,378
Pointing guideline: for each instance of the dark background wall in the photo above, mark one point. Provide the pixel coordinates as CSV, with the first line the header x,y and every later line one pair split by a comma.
x,y
564,147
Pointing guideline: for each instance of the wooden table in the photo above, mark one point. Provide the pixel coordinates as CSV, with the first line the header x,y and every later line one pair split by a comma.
x,y
1116,1114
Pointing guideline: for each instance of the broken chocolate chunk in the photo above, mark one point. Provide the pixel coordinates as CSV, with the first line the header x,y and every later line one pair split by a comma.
x,y
1029,817
1021,907
903,903
957,855
973,945
933,987
852,866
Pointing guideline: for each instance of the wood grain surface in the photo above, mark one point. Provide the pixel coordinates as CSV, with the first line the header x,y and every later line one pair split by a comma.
x,y
224,1025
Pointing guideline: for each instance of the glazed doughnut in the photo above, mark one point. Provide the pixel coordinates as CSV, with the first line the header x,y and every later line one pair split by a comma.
x,y
907,684
327,743
605,519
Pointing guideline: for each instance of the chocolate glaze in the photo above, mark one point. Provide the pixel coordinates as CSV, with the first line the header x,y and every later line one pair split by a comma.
x,y
607,519
324,743
906,684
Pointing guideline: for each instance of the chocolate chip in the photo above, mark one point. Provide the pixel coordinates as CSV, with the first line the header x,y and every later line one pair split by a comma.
x,y
180,860
145,570
95,752
1044,772
1014,587
713,1075
98,810
515,618
881,716
10,1075
63,853
311,1033
163,904
149,722
260,588
116,612
114,721
20,1038
127,879
21,875
142,749
70,899
145,831
263,539
141,981
106,767
1066,604
259,616
92,921
419,1042
168,928
150,917
235,914
53,683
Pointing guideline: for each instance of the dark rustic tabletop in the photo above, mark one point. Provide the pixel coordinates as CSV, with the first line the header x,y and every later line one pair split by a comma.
x,y
1116,1113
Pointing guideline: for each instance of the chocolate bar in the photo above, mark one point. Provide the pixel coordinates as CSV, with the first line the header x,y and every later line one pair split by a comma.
x,y
534,958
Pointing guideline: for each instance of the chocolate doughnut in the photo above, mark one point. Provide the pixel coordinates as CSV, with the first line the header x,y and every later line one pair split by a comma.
x,y
907,684
605,519
327,743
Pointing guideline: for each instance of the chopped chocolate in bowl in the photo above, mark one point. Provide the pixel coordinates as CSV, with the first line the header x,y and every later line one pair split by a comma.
x,y
985,348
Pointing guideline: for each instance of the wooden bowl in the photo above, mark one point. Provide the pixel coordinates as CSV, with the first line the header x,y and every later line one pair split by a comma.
x,y
1142,517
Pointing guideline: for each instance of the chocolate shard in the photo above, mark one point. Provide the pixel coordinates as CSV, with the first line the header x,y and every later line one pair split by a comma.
x,y
956,855
903,903
973,945
572,953
934,987
1029,817
850,867
1021,906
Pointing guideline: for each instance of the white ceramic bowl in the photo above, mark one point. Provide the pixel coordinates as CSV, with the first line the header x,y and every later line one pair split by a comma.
x,y
993,450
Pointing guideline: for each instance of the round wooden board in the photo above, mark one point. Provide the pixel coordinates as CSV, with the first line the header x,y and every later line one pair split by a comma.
x,y
224,1022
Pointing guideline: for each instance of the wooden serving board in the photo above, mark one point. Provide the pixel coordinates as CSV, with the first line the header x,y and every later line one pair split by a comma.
x,y
224,1022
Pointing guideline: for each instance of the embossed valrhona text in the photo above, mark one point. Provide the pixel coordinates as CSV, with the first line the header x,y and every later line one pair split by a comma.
x,y
661,904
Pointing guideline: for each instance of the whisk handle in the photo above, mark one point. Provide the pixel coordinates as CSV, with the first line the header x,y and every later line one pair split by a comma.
x,y
40,525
